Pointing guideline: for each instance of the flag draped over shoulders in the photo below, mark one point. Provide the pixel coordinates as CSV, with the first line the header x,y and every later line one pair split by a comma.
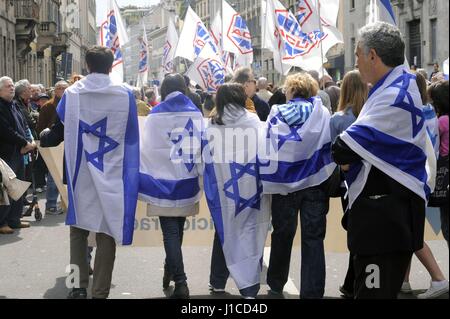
x,y
390,134
297,147
233,189
102,156
171,155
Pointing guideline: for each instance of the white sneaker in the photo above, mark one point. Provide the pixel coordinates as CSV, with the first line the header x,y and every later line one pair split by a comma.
x,y
406,288
216,290
437,289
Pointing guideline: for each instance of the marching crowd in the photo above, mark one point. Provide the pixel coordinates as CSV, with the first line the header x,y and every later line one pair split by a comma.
x,y
353,132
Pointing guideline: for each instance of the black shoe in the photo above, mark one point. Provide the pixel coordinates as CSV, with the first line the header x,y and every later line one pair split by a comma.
x,y
167,278
181,291
346,294
77,293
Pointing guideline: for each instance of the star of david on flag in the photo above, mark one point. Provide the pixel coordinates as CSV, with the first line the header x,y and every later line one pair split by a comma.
x,y
106,144
405,101
279,140
185,144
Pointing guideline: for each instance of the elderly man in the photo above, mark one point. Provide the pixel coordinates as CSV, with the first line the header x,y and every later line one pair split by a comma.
x,y
385,154
23,99
13,145
263,93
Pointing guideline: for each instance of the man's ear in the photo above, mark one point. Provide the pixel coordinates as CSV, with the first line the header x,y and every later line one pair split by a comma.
x,y
373,55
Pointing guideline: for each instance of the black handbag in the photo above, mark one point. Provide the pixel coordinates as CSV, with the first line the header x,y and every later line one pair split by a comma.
x,y
332,186
440,196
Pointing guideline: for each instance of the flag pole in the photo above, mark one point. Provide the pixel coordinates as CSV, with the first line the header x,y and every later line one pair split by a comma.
x,y
321,43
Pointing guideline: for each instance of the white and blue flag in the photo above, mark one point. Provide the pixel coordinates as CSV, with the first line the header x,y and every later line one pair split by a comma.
x,y
171,154
101,144
390,134
432,125
381,10
298,147
234,193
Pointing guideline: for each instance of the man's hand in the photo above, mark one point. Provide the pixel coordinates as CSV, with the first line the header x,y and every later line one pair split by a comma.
x,y
345,168
28,148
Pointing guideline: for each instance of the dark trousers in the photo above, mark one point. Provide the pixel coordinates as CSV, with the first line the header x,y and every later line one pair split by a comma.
x,y
349,282
40,170
392,269
313,205
11,215
104,260
219,271
173,230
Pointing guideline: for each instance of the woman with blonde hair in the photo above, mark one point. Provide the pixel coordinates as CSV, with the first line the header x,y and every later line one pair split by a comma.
x,y
354,93
299,131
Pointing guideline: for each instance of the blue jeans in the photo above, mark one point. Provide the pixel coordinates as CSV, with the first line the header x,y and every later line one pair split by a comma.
x,y
313,205
52,193
219,271
173,230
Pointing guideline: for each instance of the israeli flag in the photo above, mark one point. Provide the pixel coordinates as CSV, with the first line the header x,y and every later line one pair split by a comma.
x,y
101,141
171,154
381,10
297,152
390,134
432,126
234,193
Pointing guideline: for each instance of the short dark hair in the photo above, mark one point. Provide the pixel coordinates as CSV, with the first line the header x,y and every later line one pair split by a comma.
x,y
99,59
242,75
173,83
439,94
228,95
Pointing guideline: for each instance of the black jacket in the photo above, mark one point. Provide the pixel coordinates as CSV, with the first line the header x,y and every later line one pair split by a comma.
x,y
12,130
262,108
29,115
394,222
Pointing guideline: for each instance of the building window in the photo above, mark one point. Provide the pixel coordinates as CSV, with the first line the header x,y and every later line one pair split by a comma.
x,y
433,39
352,5
415,43
353,51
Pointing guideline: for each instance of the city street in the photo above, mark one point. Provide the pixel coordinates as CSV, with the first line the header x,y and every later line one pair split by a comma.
x,y
33,263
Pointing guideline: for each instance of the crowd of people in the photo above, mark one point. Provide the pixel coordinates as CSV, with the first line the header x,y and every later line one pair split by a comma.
x,y
384,218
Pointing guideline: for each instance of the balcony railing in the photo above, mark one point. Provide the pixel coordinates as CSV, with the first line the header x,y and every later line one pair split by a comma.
x,y
26,10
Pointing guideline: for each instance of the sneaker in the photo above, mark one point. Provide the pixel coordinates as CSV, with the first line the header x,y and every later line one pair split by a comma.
x,y
53,211
437,289
275,292
39,190
216,290
181,291
167,278
406,288
77,293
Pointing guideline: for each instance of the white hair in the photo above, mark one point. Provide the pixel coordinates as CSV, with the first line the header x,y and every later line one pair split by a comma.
x,y
262,83
3,80
21,86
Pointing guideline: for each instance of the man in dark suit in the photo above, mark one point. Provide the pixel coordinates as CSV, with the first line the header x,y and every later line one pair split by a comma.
x,y
13,145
